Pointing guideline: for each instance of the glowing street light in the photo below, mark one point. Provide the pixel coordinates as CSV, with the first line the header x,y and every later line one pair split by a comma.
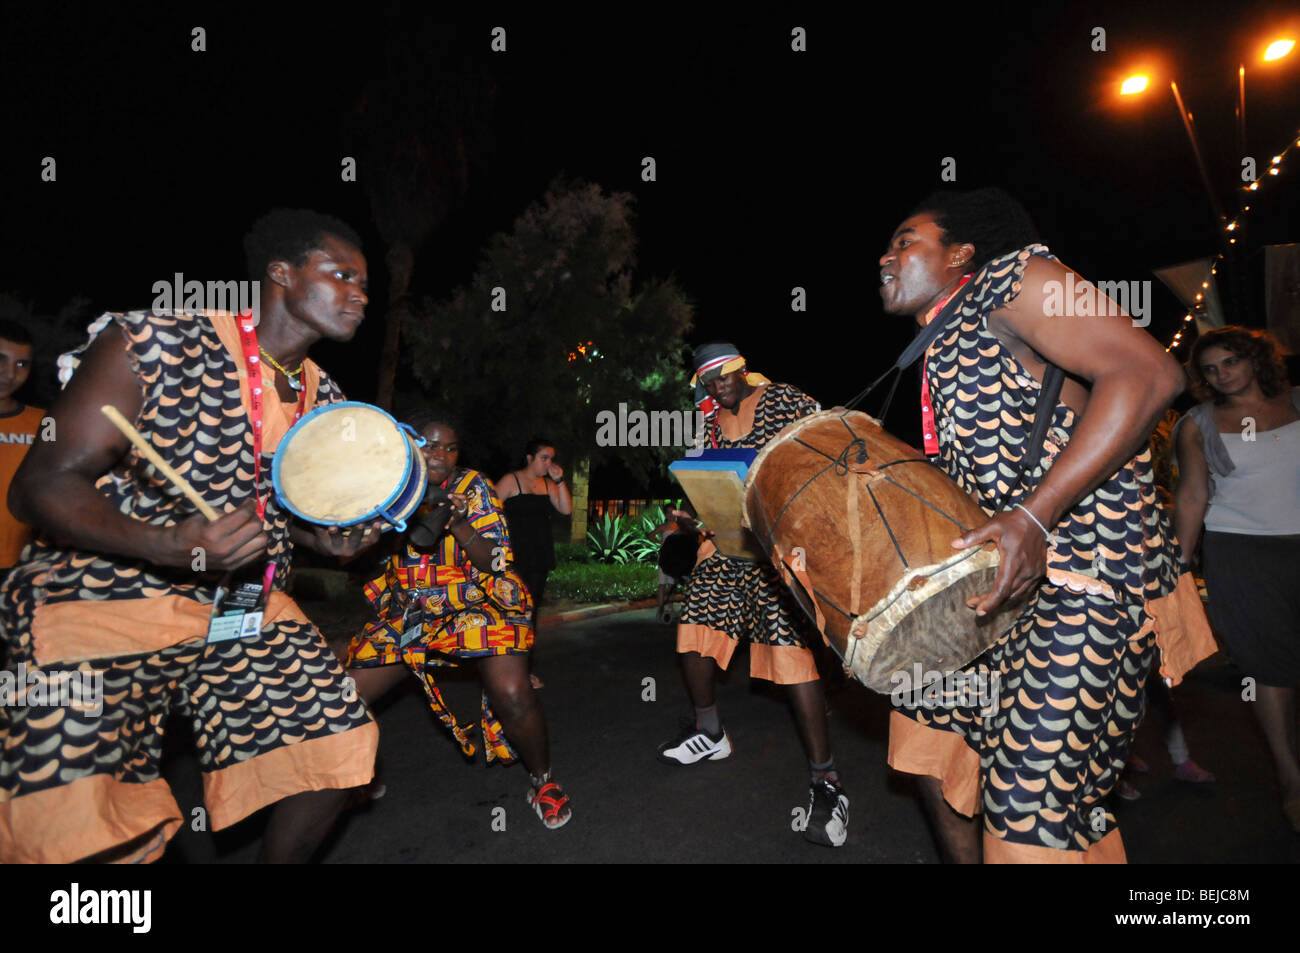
x,y
1134,84
1278,49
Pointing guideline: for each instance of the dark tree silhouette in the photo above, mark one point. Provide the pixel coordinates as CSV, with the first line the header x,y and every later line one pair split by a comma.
x,y
417,127
551,331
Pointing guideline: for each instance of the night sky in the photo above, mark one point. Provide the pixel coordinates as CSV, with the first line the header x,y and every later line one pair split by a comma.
x,y
775,169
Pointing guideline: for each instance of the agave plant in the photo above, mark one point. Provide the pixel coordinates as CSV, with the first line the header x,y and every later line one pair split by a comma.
x,y
612,540
645,545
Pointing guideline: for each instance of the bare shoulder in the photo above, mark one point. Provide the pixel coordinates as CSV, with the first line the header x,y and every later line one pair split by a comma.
x,y
507,486
87,442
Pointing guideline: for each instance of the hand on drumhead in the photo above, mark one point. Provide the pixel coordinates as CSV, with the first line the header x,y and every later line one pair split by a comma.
x,y
346,541
1023,558
232,540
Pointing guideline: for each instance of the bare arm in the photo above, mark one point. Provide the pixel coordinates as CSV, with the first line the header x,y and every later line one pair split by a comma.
x,y
507,486
560,498
55,485
1193,494
1132,382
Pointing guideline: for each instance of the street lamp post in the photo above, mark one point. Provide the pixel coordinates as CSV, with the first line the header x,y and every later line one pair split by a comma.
x,y
1133,85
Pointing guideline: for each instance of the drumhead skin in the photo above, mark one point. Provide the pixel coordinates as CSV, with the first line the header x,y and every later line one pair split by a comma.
x,y
348,463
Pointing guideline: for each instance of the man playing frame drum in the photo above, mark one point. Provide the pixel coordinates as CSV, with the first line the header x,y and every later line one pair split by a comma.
x,y
1114,602
728,599
114,588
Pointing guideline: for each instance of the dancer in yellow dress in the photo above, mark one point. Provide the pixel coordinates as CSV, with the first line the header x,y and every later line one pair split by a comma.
x,y
453,595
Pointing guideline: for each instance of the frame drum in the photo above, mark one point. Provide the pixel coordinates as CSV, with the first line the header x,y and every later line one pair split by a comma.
x,y
348,463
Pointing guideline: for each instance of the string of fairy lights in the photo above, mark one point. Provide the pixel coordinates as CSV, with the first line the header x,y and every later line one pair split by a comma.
x,y
1199,304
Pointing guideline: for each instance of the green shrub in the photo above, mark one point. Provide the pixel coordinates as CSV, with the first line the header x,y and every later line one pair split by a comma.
x,y
602,582
572,553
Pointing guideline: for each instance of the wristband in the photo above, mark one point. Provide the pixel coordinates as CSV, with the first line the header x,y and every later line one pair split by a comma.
x,y
1046,534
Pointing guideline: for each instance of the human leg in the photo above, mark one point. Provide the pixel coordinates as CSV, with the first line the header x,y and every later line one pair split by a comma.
x,y
514,701
958,836
808,702
1275,710
373,682
298,824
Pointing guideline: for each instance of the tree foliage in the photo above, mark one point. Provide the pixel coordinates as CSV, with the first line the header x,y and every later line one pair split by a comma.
x,y
571,334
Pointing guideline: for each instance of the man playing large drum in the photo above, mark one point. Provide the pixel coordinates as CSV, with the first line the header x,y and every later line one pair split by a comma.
x,y
1070,669
114,589
729,599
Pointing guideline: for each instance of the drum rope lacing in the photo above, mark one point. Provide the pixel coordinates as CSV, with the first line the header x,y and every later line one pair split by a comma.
x,y
840,463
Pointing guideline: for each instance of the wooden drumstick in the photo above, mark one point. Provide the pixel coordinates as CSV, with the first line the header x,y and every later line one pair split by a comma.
x,y
150,454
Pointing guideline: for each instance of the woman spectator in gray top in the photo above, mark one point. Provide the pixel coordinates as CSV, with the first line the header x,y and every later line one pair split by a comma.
x,y
1239,474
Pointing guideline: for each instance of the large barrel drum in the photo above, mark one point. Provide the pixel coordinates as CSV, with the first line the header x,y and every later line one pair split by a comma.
x,y
860,525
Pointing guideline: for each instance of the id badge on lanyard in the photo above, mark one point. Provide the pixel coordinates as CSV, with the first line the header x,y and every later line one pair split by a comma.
x,y
237,612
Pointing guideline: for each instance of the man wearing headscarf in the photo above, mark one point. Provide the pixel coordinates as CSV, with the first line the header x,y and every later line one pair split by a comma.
x,y
729,599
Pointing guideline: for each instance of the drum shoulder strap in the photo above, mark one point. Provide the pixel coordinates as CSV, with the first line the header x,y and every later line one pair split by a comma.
x,y
1049,395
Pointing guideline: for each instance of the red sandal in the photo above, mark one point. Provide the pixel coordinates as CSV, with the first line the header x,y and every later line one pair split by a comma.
x,y
549,800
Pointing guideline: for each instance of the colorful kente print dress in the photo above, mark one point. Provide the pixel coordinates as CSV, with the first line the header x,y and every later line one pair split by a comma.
x,y
729,599
1072,666
435,607
270,716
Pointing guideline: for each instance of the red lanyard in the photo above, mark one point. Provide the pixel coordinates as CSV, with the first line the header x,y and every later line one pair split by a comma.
x,y
253,361
927,407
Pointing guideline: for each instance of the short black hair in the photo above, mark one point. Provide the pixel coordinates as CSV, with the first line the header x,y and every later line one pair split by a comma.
x,y
15,332
426,415
989,218
290,234
532,447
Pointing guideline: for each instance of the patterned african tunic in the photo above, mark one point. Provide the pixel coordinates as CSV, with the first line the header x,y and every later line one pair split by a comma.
x,y
434,607
1072,666
270,715
728,599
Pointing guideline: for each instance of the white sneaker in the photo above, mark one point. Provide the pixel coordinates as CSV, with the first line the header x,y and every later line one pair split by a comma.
x,y
694,745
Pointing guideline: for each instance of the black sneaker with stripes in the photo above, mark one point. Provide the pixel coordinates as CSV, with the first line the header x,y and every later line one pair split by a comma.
x,y
694,745
828,814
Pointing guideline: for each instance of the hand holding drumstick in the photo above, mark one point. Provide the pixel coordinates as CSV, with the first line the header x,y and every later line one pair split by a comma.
x,y
227,540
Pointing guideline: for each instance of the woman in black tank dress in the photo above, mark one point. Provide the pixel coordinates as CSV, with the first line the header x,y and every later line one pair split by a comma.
x,y
529,496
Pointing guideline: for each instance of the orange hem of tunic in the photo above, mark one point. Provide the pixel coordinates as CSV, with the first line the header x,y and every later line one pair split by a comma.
x,y
89,629
710,643
1108,850
343,760
918,749
779,664
782,664
1183,632
84,818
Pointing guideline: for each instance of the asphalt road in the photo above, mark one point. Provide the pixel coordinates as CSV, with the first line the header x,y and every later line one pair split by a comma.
x,y
629,808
